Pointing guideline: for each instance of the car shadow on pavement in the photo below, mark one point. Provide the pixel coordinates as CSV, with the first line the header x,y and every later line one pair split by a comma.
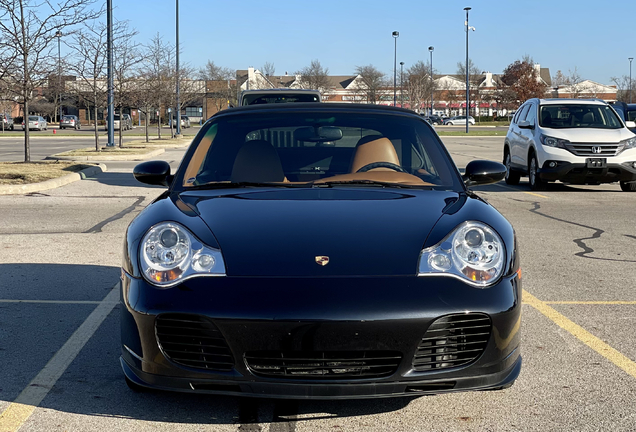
x,y
124,179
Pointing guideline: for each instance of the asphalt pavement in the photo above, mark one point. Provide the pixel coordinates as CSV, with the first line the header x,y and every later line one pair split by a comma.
x,y
59,330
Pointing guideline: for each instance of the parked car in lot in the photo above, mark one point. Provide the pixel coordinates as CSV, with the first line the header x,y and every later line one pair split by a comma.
x,y
434,119
185,121
36,123
627,112
280,95
127,121
7,122
578,141
459,120
314,250
70,121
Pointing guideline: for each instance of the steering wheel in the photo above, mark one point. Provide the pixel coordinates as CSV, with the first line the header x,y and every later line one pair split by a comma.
x,y
389,165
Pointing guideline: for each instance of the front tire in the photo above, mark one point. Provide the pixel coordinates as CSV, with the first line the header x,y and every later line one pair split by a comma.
x,y
536,184
628,186
512,177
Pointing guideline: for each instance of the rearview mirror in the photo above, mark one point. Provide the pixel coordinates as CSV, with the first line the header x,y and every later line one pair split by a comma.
x,y
153,173
318,134
481,172
630,124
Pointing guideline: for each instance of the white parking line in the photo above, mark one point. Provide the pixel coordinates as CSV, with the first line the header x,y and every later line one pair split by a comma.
x,y
23,406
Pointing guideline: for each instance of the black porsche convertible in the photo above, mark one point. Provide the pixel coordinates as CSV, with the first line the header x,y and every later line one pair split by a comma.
x,y
320,251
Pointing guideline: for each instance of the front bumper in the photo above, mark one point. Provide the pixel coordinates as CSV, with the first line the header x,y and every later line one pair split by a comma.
x,y
329,314
579,173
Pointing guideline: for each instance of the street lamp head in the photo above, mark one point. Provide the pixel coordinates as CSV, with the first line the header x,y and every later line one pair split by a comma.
x,y
401,63
58,34
630,59
431,48
467,8
396,34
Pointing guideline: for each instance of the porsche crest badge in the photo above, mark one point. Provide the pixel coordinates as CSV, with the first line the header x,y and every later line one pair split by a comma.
x,y
322,260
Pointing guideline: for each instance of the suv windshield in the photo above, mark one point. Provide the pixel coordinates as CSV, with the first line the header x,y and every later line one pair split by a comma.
x,y
306,149
578,116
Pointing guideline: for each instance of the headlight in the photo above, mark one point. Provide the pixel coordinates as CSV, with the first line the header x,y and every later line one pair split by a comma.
x,y
473,252
169,254
553,142
626,144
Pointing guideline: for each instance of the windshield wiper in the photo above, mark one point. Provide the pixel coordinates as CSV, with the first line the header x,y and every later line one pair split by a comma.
x,y
369,183
228,185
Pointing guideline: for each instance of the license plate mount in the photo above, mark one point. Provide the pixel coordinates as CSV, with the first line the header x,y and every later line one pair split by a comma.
x,y
596,162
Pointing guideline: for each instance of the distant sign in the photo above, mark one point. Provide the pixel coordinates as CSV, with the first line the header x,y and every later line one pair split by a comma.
x,y
200,109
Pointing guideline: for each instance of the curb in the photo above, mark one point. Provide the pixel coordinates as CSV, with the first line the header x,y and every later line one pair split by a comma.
x,y
105,157
52,183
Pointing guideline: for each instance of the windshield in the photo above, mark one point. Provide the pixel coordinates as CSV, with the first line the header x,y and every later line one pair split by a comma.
x,y
319,148
31,118
116,117
254,99
569,116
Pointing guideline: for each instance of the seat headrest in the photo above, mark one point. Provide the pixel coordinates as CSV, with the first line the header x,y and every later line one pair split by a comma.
x,y
257,161
374,148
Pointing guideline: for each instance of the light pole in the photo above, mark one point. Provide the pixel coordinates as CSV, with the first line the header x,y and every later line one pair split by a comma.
x,y
630,78
110,114
401,91
178,112
395,34
467,71
431,49
59,72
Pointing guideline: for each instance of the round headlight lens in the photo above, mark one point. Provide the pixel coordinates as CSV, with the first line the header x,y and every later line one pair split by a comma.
x,y
169,253
473,252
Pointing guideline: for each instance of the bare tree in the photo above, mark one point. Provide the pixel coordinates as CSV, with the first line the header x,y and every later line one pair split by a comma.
x,y
573,81
218,82
625,89
372,82
29,28
314,76
419,84
158,71
89,52
268,69
126,57
475,78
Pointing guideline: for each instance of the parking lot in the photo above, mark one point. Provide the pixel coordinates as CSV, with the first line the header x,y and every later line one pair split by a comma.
x,y
59,328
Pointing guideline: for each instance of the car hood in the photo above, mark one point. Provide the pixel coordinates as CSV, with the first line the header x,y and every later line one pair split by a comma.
x,y
590,135
281,232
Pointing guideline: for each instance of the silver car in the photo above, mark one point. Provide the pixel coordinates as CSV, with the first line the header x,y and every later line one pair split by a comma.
x,y
70,121
36,123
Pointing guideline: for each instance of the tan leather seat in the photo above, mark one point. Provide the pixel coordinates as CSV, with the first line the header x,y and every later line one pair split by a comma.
x,y
257,161
374,148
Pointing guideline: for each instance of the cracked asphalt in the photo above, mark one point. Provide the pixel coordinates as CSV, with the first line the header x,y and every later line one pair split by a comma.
x,y
60,257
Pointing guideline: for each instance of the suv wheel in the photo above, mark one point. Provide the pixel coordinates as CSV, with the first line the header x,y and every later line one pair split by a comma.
x,y
536,183
628,186
512,177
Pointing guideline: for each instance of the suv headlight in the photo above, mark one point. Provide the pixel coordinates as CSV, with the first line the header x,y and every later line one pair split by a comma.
x,y
170,254
472,252
626,144
553,142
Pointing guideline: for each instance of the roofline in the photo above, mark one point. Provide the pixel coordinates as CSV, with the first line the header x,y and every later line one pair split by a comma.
x,y
314,106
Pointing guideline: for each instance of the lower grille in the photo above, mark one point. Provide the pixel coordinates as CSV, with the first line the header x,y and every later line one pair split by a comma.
x,y
451,341
323,365
194,341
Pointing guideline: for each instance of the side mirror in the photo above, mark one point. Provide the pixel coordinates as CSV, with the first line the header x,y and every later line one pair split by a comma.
x,y
153,173
630,124
481,172
525,124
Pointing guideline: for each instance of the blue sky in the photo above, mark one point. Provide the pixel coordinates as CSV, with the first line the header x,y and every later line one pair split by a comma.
x,y
560,35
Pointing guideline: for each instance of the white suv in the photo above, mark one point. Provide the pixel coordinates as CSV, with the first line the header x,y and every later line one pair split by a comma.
x,y
578,141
